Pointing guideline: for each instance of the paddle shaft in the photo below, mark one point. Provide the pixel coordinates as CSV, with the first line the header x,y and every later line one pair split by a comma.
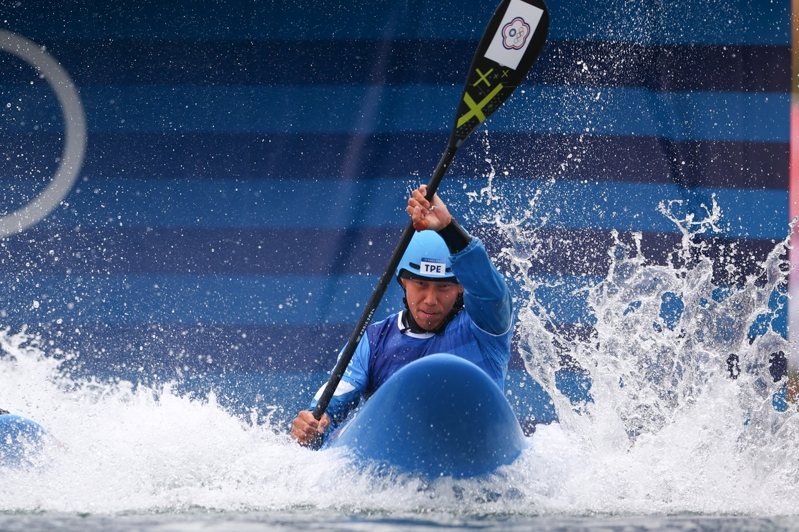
x,y
380,289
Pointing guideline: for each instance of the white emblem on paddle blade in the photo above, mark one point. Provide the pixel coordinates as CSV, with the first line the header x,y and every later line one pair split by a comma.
x,y
514,33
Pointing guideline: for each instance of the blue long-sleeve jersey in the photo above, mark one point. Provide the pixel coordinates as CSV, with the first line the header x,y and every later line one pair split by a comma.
x,y
481,333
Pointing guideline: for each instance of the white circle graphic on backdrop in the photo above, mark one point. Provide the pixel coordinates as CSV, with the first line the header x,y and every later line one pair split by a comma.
x,y
74,134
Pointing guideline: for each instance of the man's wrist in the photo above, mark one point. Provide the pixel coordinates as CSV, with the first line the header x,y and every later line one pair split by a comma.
x,y
454,236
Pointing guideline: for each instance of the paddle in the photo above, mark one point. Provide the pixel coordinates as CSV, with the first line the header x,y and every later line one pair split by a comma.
x,y
510,45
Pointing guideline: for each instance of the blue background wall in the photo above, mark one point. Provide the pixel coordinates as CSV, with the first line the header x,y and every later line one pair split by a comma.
x,y
248,162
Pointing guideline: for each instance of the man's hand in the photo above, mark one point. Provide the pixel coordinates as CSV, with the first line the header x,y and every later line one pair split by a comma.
x,y
306,429
426,214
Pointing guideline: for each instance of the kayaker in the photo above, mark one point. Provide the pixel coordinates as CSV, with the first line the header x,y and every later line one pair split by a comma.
x,y
455,302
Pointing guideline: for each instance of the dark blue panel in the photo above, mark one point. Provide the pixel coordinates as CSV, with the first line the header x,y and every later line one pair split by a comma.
x,y
317,252
679,21
667,67
363,157
434,62
755,117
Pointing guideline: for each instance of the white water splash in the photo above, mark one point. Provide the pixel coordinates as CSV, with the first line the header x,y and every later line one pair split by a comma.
x,y
668,429
122,447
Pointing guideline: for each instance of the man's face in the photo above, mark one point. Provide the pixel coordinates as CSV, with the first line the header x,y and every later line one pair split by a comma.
x,y
430,302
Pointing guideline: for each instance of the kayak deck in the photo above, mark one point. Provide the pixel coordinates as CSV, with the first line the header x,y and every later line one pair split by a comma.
x,y
438,416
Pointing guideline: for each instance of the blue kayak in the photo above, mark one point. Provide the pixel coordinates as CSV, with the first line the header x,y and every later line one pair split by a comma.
x,y
438,416
20,440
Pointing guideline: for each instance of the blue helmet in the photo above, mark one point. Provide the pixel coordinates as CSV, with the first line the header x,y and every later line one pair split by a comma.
x,y
427,257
